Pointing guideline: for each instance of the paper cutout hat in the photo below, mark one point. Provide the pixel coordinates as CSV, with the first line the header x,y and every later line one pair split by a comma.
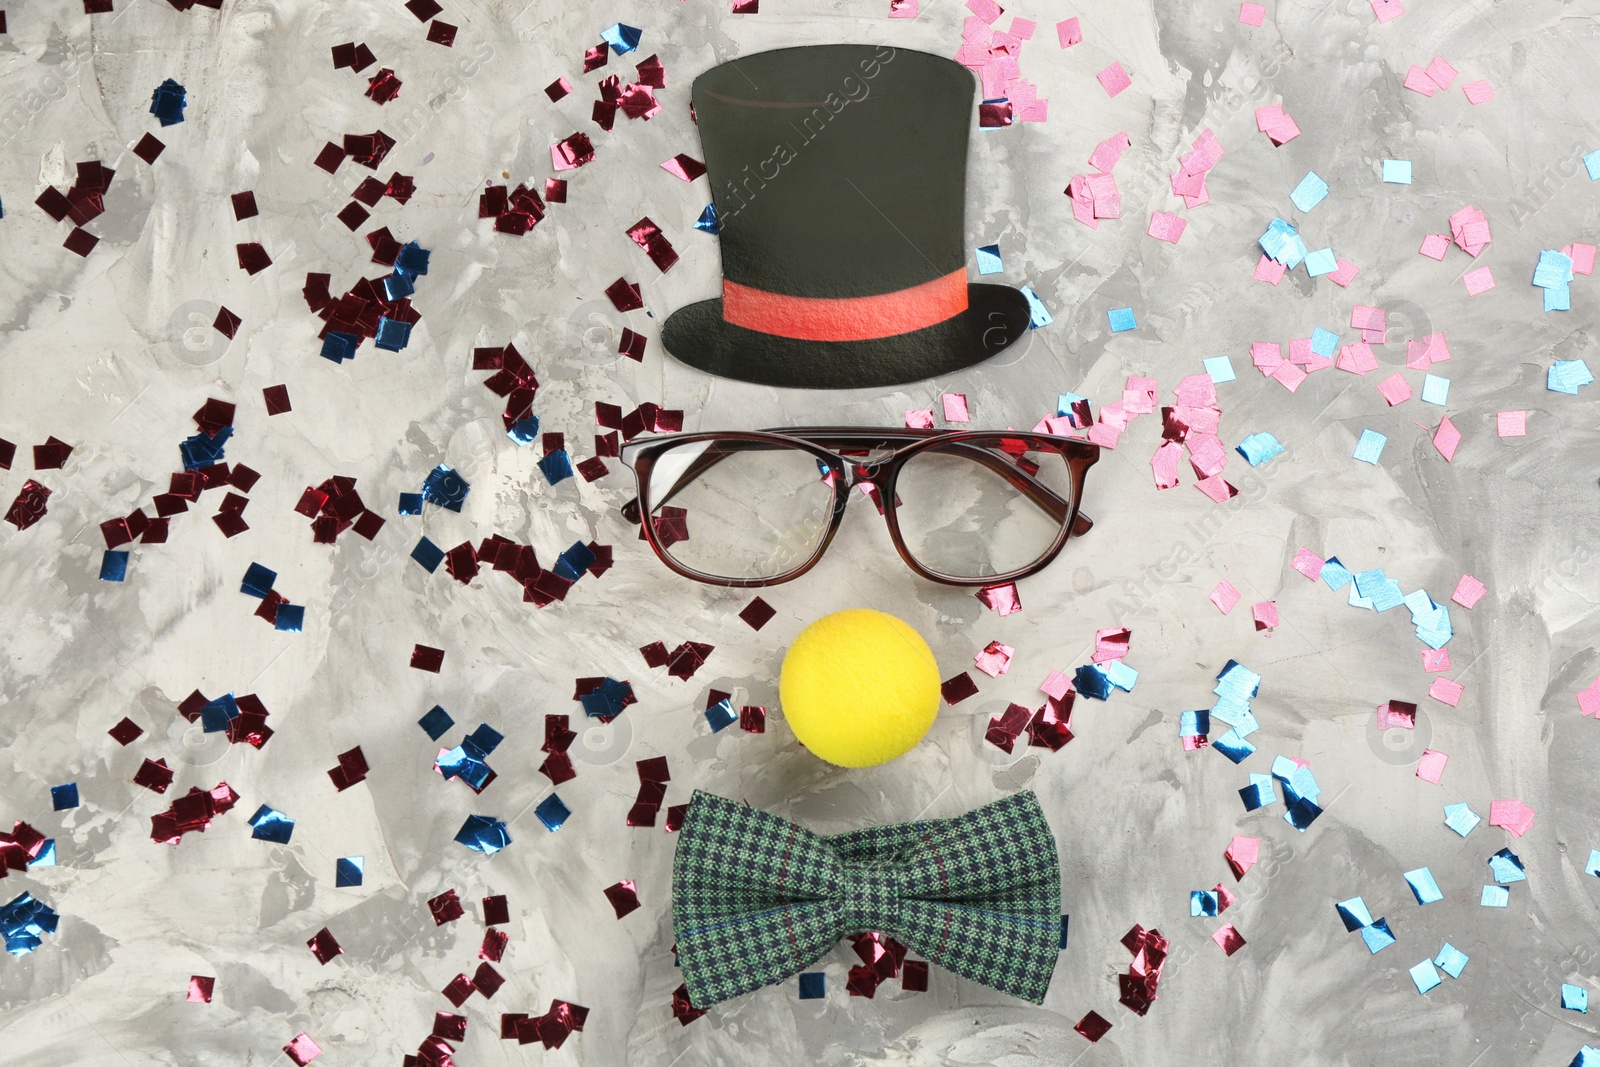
x,y
839,178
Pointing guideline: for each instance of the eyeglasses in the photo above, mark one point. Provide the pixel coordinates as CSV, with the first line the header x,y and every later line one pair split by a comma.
x,y
760,508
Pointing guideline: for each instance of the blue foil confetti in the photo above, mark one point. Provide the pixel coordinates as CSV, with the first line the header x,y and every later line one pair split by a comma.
x,y
428,555
813,985
1121,320
1506,867
1066,921
270,824
338,346
258,581
168,101
1321,262
721,715
1354,914
606,700
1377,936
707,222
622,39
1259,793
1461,818
1202,903
1220,368
989,260
1397,171
24,922
1194,723
524,430
1324,342
410,504
412,260
1334,574
290,618
1574,998
1090,681
1451,960
1259,447
64,797
113,566
1234,747
1593,866
436,723
1425,976
393,335
446,488
552,812
485,834
1311,191
1119,674
1567,375
349,871
1495,896
1038,314
202,450
575,562
218,713
1586,1057
1423,887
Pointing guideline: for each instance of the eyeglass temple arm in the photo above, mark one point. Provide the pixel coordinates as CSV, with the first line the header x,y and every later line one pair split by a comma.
x,y
1019,479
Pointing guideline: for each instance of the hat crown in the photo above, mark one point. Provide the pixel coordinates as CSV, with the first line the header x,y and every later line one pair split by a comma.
x,y
837,170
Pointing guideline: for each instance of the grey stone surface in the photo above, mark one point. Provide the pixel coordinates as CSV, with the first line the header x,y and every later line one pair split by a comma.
x,y
112,353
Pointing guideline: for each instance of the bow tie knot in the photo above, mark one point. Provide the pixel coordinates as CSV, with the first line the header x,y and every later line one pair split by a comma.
x,y
871,897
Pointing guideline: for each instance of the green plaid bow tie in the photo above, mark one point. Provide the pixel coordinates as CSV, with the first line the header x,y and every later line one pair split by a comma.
x,y
755,898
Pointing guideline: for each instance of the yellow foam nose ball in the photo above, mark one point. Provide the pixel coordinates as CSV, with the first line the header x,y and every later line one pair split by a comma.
x,y
859,688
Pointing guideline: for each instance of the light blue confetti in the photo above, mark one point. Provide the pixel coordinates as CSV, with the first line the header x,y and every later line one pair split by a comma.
x,y
1566,375
1121,319
1259,447
1324,342
1425,977
1495,896
1435,390
1553,269
1370,447
1593,866
1234,747
1574,998
1311,191
1507,867
1120,674
1038,314
1202,903
1334,575
1558,298
1586,1057
1461,818
1354,913
1397,171
989,260
1377,936
1194,723
1221,369
1591,163
1423,887
1451,960
1321,262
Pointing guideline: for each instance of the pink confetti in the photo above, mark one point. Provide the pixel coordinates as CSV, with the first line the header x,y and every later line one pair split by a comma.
x,y
1357,358
1478,281
1345,274
1108,152
955,407
684,166
1446,438
1224,596
1269,270
902,9
1228,939
1165,226
1387,10
919,419
1478,92
1397,715
1468,591
1114,79
1418,81
1252,14
1514,815
987,10
1266,614
1434,246
1442,73
1023,28
1166,463
1435,660
302,1050
1395,389
1069,33
1430,768
1308,563
1111,644
1217,489
1056,686
1365,318
1582,258
1589,699
1446,691
1242,854
1001,599
1512,423
995,659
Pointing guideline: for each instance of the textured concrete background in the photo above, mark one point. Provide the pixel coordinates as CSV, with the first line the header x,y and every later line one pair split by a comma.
x,y
112,353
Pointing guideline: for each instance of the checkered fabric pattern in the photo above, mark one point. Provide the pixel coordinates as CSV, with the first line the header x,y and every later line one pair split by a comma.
x,y
755,898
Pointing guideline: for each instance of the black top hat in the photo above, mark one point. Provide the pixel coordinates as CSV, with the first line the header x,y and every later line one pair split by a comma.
x,y
839,174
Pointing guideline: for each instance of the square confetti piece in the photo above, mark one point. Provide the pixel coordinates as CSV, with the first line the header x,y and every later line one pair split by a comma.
x,y
1515,816
1446,691
955,407
1397,171
1321,262
1370,447
1252,14
1574,998
1495,896
1269,270
989,260
1121,319
64,797
1308,563
1114,79
1591,163
1446,438
1423,886
1093,1027
1434,246
1220,368
1435,390
1395,389
1430,768
1069,33
1311,191
1468,591
1512,423
813,985
1387,10
1451,960
348,871
1478,281
1478,92
1425,976
1461,818
1588,701
1593,866
425,658
1228,939
552,812
1265,614
1224,596
201,988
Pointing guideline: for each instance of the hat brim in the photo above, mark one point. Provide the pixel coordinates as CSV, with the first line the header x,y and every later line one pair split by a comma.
x,y
996,317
